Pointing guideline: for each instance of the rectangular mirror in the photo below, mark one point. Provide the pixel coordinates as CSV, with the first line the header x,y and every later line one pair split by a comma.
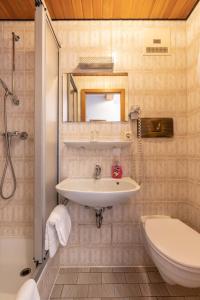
x,y
95,97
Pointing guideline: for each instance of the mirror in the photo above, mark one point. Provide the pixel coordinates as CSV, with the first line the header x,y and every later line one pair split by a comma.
x,y
95,97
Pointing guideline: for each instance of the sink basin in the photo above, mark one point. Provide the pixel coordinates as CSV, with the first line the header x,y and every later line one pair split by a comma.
x,y
98,193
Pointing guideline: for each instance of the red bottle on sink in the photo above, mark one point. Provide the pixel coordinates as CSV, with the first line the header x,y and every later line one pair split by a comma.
x,y
116,170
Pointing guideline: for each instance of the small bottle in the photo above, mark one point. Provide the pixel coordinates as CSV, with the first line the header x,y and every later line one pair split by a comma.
x,y
116,170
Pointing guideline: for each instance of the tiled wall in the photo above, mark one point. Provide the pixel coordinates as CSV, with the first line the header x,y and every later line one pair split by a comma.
x,y
158,85
16,214
193,111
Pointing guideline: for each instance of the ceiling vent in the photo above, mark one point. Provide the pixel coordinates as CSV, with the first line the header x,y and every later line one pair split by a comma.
x,y
95,63
157,41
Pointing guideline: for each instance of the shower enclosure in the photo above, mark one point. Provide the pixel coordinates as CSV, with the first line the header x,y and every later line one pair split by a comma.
x,y
28,125
15,243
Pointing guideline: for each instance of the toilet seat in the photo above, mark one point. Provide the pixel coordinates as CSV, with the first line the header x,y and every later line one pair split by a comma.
x,y
175,240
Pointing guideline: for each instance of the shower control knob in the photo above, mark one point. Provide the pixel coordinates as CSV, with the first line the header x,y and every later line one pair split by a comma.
x,y
23,135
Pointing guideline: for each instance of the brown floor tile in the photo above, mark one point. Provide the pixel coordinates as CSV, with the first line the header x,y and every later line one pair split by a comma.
x,y
127,290
89,278
134,269
176,290
113,278
57,290
101,290
137,277
67,278
74,270
75,291
155,277
154,289
148,269
100,269
123,269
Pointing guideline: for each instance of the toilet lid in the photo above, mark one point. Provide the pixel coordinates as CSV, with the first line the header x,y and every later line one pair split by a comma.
x,y
175,240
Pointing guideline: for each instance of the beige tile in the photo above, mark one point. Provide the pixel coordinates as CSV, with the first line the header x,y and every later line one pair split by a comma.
x,y
89,278
75,291
101,269
101,290
113,278
175,290
154,289
67,278
127,290
155,277
74,270
57,290
136,277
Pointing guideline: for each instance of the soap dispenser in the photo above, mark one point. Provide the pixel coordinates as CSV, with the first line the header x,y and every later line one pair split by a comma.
x,y
116,169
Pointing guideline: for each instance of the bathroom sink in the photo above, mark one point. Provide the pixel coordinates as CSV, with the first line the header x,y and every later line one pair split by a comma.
x,y
97,193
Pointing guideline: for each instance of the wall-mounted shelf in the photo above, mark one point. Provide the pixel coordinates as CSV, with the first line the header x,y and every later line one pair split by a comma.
x,y
99,73
103,144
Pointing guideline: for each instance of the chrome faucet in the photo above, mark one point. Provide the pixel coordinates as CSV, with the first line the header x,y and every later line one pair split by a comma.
x,y
97,172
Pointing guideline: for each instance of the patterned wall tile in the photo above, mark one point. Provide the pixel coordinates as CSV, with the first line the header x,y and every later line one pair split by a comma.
x,y
193,113
16,214
158,84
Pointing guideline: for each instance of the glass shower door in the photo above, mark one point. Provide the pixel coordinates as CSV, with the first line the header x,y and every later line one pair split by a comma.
x,y
46,125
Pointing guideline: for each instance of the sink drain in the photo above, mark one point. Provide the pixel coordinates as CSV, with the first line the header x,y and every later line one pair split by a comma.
x,y
25,272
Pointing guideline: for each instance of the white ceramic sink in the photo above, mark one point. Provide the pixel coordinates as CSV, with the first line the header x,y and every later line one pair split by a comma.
x,y
98,193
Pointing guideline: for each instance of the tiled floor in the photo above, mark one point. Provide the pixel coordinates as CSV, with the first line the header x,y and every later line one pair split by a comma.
x,y
121,283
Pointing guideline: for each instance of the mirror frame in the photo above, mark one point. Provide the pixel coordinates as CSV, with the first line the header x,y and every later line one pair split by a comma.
x,y
84,93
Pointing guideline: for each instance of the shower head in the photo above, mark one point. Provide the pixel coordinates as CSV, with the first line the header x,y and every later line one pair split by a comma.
x,y
13,97
4,86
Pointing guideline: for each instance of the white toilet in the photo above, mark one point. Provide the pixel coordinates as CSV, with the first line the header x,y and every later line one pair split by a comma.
x,y
175,249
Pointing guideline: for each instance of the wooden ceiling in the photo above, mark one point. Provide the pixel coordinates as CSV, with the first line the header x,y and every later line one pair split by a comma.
x,y
100,9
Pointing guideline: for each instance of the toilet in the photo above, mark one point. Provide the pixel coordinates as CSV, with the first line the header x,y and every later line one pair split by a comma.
x,y
174,248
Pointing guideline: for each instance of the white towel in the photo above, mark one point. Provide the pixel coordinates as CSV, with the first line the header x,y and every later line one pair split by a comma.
x,y
58,228
28,291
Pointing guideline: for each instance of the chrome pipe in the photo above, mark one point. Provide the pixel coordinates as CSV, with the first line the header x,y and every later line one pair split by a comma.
x,y
15,38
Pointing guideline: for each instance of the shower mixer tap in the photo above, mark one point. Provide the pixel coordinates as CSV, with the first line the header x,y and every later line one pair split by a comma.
x,y
23,135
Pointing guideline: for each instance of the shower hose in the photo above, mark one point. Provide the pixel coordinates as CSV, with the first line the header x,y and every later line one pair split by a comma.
x,y
8,160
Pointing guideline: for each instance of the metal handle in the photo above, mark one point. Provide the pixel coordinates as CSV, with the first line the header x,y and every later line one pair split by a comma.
x,y
22,135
